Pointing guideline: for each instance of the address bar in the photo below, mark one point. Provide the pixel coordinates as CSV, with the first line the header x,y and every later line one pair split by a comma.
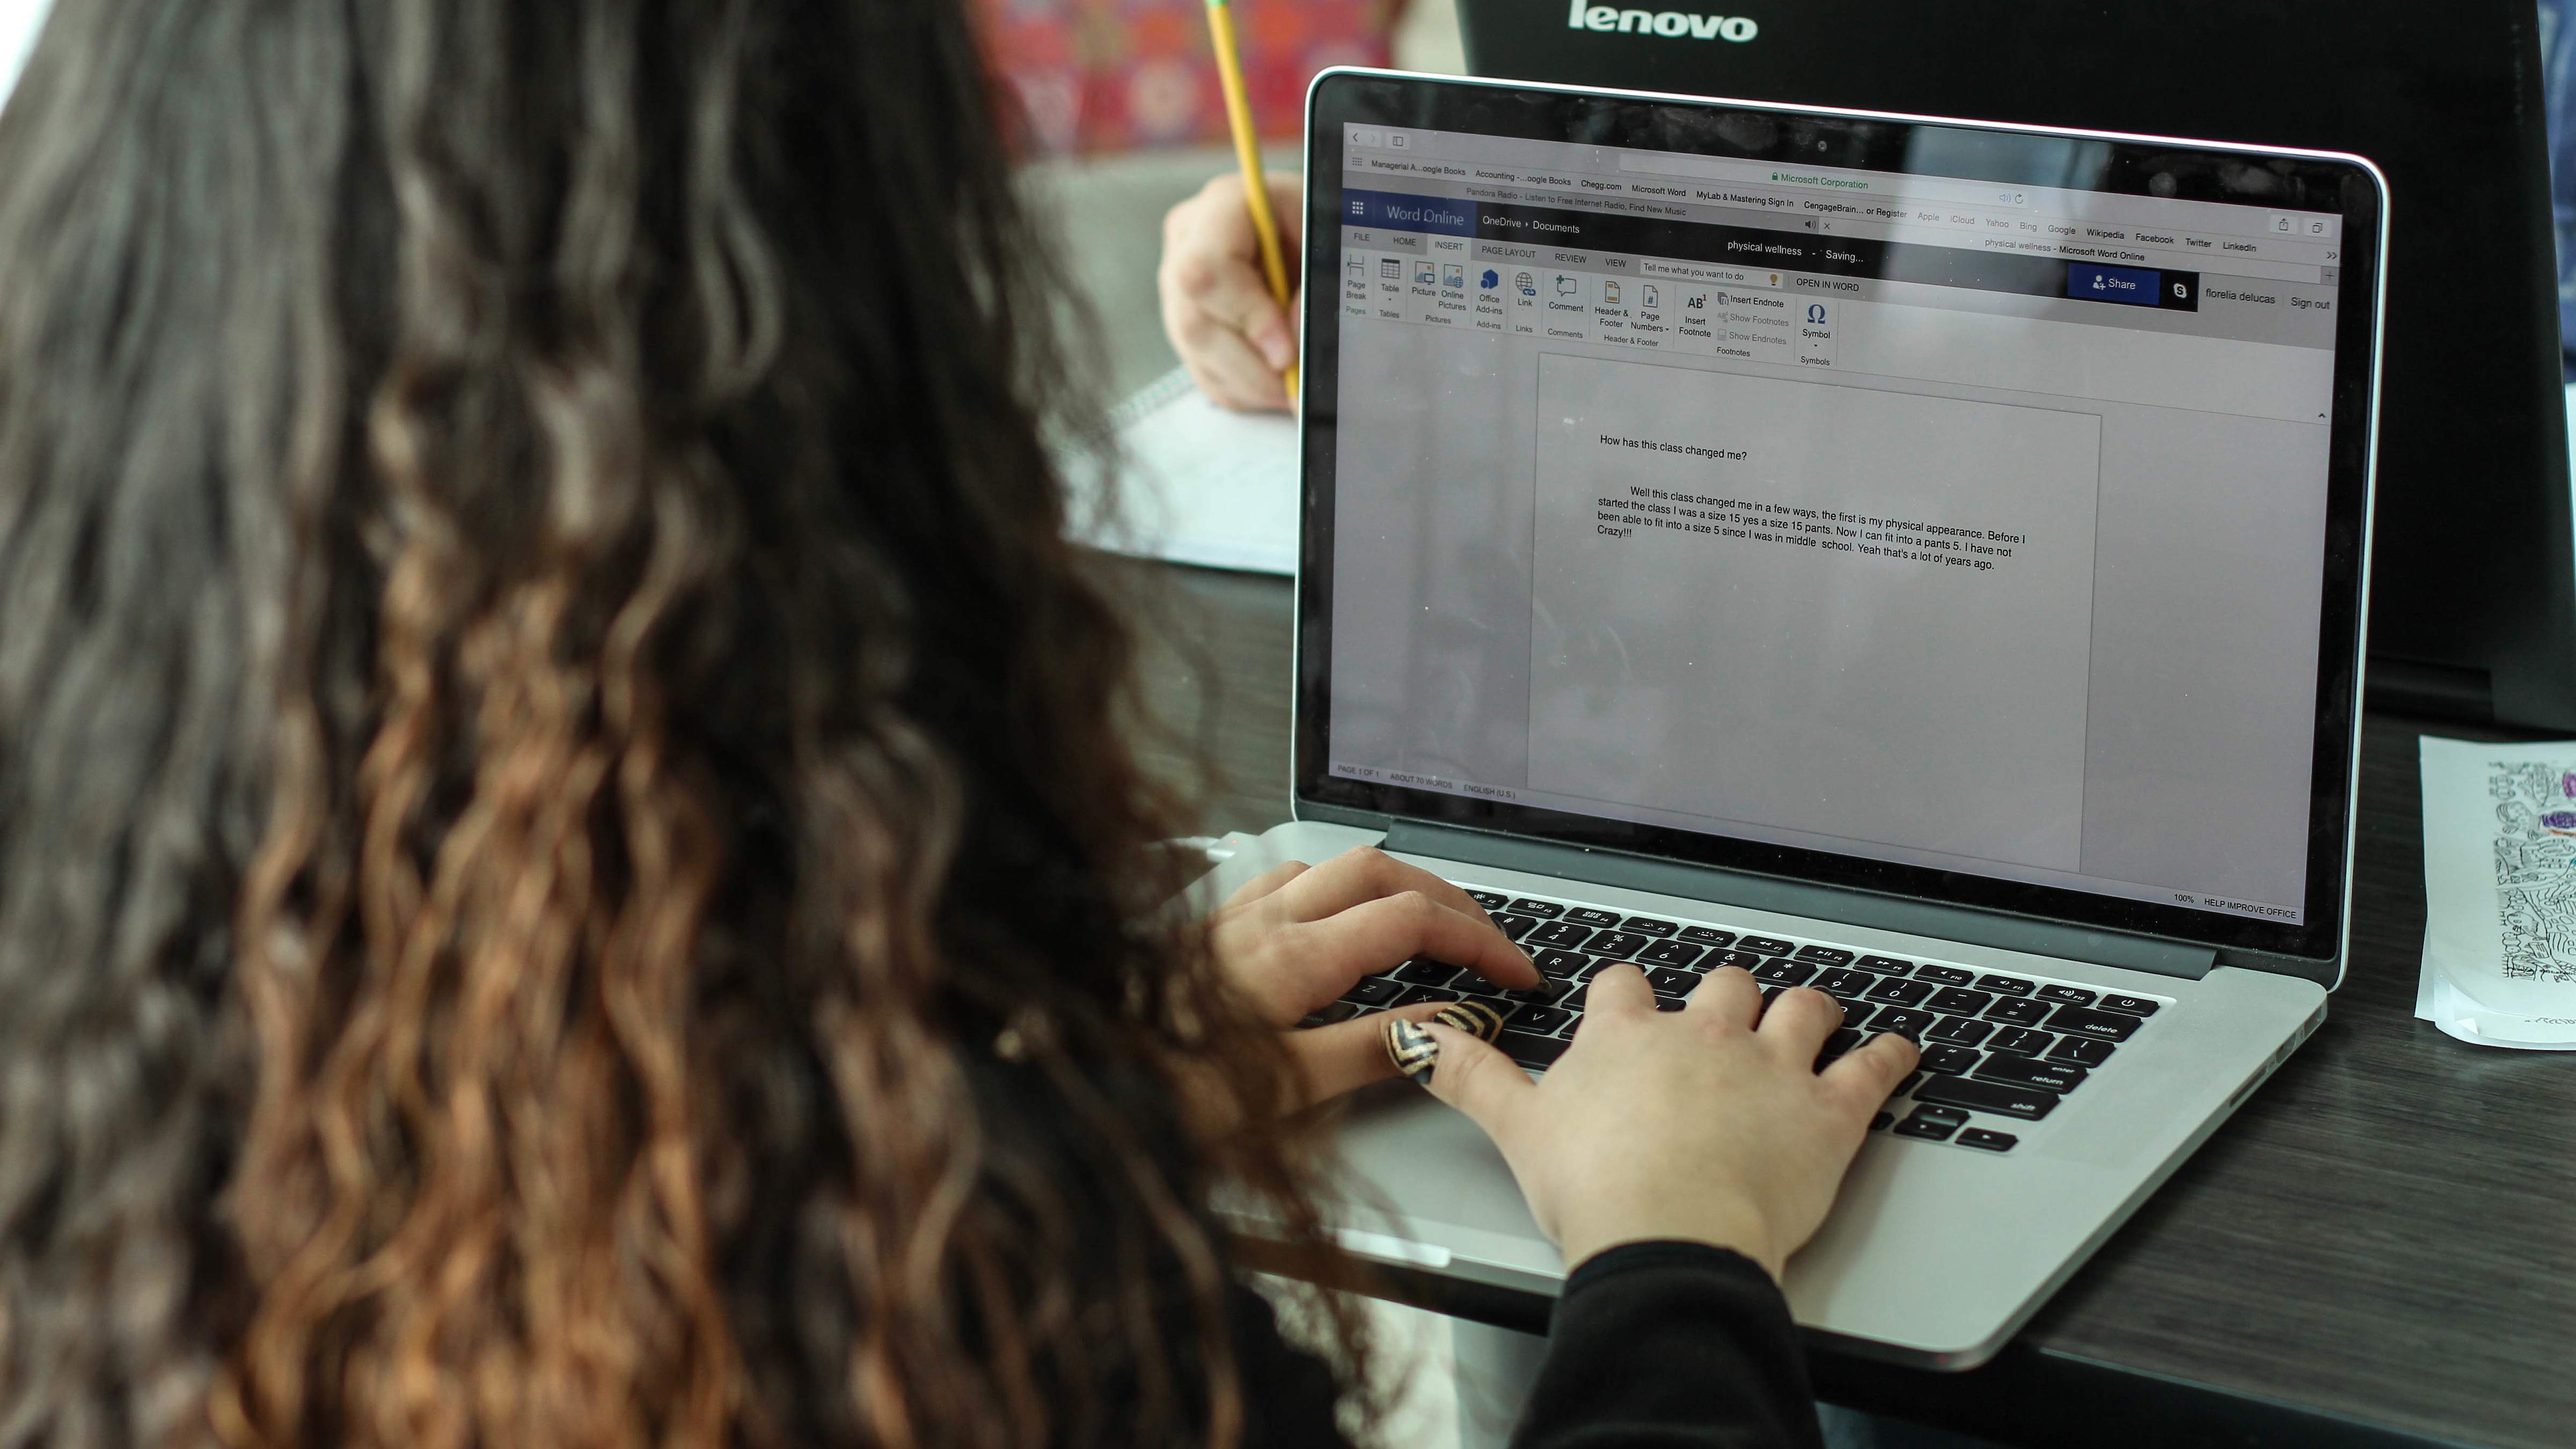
x,y
1846,183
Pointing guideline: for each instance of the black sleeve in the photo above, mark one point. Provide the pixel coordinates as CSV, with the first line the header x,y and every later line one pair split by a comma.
x,y
1671,1346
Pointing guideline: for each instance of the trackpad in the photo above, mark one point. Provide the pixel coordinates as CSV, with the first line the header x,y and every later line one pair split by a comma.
x,y
1410,1152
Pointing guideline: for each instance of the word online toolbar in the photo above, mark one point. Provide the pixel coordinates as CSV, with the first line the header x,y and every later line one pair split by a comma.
x,y
1712,312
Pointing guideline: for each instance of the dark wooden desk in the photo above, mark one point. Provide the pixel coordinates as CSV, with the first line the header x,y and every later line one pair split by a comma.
x,y
2379,1249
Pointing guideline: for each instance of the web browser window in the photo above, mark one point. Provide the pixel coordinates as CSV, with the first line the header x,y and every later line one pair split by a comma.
x,y
1943,522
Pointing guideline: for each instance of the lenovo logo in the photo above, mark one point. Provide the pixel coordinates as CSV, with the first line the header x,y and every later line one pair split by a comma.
x,y
1669,23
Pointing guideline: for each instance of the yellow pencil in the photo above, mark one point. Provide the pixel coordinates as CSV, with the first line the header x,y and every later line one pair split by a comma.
x,y
1247,151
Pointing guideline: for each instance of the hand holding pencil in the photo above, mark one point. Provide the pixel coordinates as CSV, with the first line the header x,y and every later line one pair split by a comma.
x,y
1217,308
1230,262
1247,154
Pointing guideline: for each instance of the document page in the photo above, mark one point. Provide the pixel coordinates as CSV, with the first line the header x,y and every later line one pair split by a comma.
x,y
2499,963
1849,612
1201,484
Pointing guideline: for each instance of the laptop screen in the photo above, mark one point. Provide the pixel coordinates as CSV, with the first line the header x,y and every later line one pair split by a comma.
x,y
1934,509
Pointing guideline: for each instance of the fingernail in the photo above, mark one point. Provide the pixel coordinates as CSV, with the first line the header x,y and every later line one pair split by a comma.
x,y
1472,1017
1415,1051
1412,1049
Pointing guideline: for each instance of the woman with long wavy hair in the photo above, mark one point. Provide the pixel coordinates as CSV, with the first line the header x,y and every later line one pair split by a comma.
x,y
570,869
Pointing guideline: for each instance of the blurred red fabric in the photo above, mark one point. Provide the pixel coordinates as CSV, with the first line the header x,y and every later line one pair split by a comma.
x,y
1110,75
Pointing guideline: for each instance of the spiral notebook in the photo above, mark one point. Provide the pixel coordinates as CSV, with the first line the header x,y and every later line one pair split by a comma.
x,y
1201,485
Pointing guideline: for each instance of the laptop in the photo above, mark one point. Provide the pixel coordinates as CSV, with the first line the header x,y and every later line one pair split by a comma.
x,y
2446,99
1921,560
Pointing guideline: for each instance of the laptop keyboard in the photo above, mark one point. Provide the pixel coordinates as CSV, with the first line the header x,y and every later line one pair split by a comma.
x,y
1999,1052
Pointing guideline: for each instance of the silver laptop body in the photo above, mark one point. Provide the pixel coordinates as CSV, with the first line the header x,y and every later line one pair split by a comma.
x,y
1583,367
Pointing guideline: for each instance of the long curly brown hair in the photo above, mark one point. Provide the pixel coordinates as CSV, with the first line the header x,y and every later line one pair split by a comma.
x,y
570,870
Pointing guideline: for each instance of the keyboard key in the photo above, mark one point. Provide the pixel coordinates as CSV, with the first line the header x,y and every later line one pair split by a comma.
x,y
1413,994
2099,1025
1955,1001
2021,1011
2004,985
2024,1072
1843,1040
1956,1061
1615,943
1825,955
1990,1141
1715,959
1592,916
1540,1020
1843,981
2082,1051
1650,926
1332,1012
1548,910
1767,945
1962,1030
2129,1005
1670,953
1421,972
1898,991
1784,973
1941,1114
1856,1014
2066,995
1944,975
1888,964
1672,981
1558,933
1667,1003
1905,1021
1515,926
1704,935
1531,1050
1374,991
1565,965
1882,1121
1490,900
1931,1129
2020,1039
1771,994
1912,1080
2001,1098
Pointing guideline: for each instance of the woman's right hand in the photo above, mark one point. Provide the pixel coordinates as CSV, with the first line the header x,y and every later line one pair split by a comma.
x,y
1217,308
1695,1124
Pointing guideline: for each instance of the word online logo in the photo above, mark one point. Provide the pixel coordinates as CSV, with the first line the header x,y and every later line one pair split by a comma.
x,y
1671,24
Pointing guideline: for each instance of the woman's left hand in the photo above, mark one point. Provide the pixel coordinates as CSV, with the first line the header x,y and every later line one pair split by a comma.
x,y
1296,937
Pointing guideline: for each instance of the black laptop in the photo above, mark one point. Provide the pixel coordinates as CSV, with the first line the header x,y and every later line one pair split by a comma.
x,y
2474,611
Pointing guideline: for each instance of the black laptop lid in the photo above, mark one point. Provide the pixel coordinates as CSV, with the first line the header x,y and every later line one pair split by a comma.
x,y
2445,98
